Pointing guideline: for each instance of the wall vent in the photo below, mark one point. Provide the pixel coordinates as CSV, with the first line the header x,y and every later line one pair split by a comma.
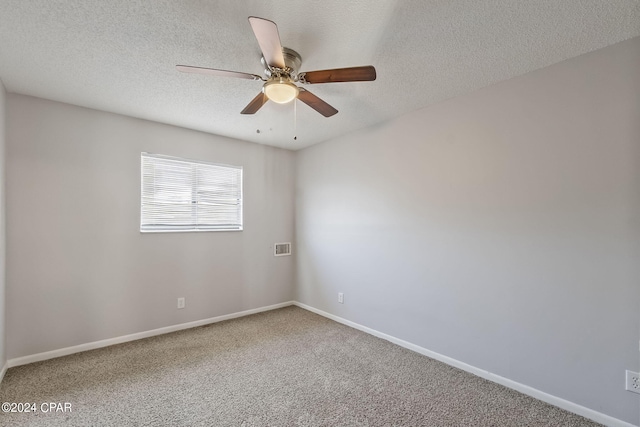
x,y
282,249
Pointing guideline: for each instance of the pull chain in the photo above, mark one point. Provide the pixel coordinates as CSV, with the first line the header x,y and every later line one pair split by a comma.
x,y
295,119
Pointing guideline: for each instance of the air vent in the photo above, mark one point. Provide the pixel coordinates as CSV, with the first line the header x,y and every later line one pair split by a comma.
x,y
282,249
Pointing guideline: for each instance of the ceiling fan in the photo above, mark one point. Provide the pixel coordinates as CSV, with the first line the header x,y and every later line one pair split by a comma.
x,y
281,68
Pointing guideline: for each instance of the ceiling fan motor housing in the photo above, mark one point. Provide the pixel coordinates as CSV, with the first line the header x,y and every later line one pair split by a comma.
x,y
292,62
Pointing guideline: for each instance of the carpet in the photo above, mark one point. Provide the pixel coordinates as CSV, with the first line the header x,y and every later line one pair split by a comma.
x,y
285,367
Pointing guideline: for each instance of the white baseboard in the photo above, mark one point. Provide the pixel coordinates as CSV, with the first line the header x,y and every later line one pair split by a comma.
x,y
4,370
530,391
132,337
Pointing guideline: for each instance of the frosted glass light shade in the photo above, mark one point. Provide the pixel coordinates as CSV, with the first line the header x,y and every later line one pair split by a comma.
x,y
280,90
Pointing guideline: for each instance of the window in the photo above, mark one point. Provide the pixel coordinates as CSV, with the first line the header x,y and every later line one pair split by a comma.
x,y
187,195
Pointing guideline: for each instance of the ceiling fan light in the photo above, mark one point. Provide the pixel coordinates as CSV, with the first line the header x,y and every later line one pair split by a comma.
x,y
280,90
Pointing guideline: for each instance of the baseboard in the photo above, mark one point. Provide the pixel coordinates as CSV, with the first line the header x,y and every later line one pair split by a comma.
x,y
132,337
4,370
530,391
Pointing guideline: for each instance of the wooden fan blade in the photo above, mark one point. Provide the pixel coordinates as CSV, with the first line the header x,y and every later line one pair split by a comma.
x,y
255,104
214,72
266,33
316,103
353,74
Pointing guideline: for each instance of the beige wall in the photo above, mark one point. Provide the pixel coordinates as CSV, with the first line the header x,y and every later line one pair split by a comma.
x,y
500,228
80,271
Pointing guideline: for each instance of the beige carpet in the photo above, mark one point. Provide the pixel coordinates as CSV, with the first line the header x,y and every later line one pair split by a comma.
x,y
287,367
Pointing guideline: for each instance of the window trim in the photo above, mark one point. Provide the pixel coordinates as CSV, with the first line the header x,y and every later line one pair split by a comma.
x,y
177,229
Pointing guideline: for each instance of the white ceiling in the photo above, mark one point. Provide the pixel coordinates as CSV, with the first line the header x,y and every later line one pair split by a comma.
x,y
120,55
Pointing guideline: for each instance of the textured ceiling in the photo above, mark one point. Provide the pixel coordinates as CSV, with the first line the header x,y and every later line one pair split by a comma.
x,y
120,55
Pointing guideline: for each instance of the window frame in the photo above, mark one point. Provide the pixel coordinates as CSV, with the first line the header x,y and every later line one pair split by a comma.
x,y
191,227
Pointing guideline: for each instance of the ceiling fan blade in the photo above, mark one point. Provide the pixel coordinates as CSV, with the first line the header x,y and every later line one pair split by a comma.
x,y
255,104
266,33
316,103
214,72
353,74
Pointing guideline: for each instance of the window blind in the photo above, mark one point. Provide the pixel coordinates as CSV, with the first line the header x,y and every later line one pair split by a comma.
x,y
186,195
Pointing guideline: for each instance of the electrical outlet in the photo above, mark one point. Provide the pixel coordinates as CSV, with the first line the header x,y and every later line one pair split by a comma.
x,y
181,303
340,297
633,382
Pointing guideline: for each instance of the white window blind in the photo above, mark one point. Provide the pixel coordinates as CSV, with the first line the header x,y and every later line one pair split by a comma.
x,y
186,195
